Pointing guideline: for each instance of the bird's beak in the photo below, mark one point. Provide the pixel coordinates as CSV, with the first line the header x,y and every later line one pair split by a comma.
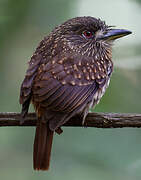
x,y
113,34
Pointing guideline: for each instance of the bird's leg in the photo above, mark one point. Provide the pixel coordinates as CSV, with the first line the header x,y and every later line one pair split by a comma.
x,y
82,117
83,120
84,114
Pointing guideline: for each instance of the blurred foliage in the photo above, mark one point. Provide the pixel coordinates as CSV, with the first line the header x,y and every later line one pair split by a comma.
x,y
79,153
12,14
139,1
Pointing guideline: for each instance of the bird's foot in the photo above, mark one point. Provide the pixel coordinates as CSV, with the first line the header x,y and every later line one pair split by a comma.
x,y
59,131
22,120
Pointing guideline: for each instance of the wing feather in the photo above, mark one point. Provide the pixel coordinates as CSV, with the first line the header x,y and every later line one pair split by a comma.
x,y
26,87
61,89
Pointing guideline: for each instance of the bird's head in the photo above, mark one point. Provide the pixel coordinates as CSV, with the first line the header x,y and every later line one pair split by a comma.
x,y
88,36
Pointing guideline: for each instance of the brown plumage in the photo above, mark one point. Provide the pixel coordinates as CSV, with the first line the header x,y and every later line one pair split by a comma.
x,y
68,73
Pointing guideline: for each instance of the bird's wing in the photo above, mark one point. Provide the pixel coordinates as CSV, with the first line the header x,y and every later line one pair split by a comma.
x,y
67,84
26,87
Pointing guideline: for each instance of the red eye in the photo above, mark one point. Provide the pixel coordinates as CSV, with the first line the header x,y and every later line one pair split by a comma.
x,y
87,34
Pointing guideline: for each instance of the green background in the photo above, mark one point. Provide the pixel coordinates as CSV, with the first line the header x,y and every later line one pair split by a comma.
x,y
79,153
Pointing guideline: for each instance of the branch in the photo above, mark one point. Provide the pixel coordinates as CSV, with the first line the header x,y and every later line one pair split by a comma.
x,y
99,120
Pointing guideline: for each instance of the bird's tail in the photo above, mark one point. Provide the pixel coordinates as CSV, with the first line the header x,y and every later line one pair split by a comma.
x,y
42,146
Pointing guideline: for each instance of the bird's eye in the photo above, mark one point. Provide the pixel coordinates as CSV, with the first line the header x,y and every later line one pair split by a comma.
x,y
87,34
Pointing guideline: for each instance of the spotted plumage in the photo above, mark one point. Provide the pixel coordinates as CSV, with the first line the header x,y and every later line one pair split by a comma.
x,y
68,74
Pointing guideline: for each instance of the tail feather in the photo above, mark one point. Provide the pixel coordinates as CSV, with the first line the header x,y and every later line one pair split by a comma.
x,y
42,146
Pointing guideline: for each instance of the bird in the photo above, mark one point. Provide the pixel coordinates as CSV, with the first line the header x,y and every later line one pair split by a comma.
x,y
67,75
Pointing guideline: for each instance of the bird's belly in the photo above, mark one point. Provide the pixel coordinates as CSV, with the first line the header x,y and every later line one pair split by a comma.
x,y
98,95
95,100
